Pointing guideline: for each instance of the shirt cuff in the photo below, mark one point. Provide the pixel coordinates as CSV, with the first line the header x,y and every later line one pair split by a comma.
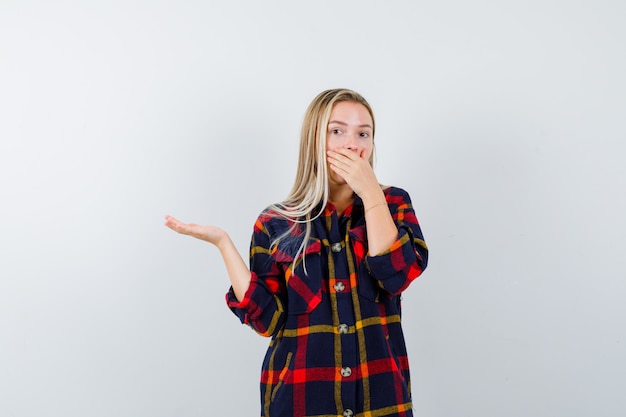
x,y
388,263
243,309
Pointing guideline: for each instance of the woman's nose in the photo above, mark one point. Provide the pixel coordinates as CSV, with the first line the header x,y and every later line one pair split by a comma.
x,y
352,143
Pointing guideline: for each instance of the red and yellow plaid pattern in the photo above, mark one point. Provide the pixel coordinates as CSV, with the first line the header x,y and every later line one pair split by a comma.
x,y
337,346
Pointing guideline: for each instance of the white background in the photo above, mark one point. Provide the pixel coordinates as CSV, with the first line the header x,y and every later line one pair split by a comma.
x,y
504,120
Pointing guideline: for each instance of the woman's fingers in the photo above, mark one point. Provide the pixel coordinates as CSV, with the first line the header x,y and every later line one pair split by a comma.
x,y
346,160
343,156
173,224
180,227
354,169
343,162
210,234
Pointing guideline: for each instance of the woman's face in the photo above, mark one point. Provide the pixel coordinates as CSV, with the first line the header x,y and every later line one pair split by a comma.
x,y
350,126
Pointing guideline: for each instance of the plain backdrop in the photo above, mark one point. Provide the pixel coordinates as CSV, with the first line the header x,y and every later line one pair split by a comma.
x,y
504,120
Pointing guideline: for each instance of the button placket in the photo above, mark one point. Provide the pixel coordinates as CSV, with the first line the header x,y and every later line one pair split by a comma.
x,y
338,249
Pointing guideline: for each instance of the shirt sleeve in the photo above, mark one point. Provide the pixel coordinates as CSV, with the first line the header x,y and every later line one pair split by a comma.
x,y
262,306
406,259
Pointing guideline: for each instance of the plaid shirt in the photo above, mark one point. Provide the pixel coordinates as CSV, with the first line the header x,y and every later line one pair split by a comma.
x,y
337,346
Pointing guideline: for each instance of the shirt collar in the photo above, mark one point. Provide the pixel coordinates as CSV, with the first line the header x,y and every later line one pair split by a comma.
x,y
357,204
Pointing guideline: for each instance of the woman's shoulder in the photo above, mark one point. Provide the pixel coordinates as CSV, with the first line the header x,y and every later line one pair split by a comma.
x,y
395,194
271,220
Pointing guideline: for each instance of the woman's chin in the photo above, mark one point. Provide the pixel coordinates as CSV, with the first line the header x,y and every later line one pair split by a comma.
x,y
336,179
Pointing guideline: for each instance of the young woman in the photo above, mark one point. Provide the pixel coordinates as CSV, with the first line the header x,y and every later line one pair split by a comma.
x,y
327,267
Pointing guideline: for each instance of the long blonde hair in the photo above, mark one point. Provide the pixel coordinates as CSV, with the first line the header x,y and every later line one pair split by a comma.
x,y
310,187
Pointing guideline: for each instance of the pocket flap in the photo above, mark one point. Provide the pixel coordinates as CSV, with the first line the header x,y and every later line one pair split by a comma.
x,y
286,252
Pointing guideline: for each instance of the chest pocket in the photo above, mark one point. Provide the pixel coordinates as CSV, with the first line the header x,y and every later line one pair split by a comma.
x,y
304,291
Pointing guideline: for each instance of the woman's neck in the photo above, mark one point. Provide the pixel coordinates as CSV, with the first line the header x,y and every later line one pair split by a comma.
x,y
341,196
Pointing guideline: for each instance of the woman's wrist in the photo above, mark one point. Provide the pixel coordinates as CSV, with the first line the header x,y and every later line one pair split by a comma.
x,y
374,198
224,243
370,207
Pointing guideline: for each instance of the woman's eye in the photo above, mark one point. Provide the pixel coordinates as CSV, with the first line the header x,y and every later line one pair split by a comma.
x,y
335,131
365,135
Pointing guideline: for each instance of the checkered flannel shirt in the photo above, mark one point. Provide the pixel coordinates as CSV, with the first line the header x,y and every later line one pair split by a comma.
x,y
337,346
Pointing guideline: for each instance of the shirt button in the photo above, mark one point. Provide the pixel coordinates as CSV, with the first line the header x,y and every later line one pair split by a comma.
x,y
348,413
343,328
339,287
346,372
336,247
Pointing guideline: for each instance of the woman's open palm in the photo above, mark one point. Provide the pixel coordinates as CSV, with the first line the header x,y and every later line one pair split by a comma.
x,y
209,234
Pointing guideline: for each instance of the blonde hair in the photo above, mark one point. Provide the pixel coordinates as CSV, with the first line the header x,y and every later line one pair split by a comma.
x,y
311,183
